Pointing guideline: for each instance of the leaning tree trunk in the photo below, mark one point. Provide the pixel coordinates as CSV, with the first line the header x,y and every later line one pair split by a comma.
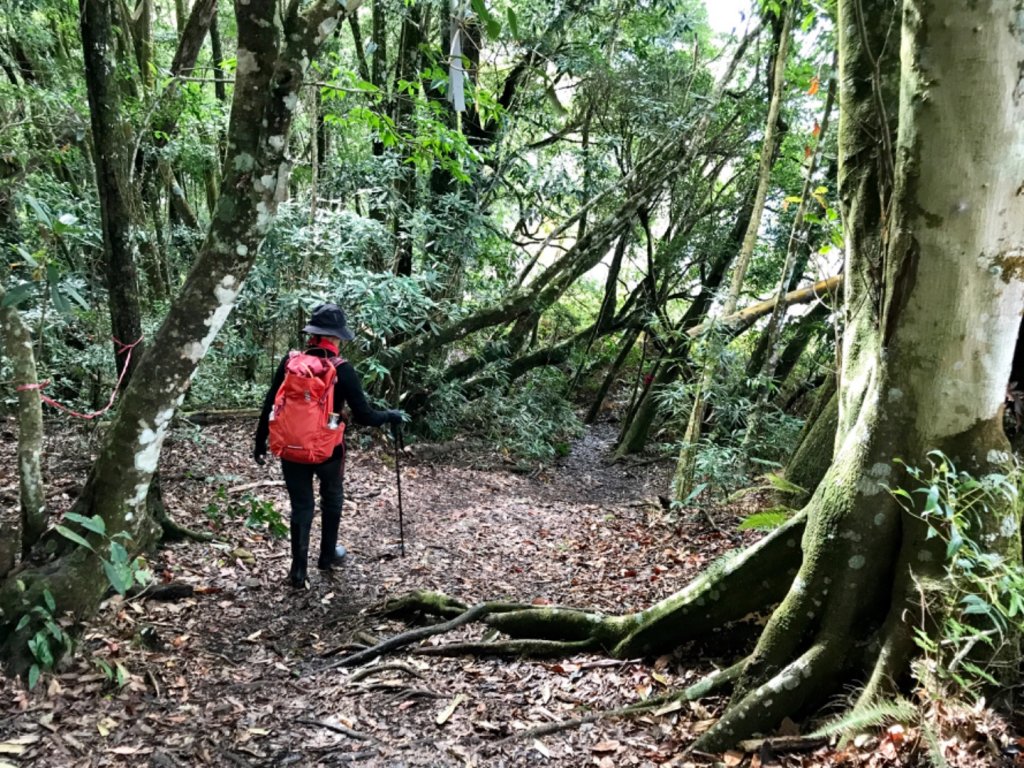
x,y
933,298
272,60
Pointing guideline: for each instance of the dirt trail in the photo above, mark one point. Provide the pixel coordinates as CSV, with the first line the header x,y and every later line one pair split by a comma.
x,y
234,674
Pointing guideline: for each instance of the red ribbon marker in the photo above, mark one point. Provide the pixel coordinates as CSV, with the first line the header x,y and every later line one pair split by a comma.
x,y
95,414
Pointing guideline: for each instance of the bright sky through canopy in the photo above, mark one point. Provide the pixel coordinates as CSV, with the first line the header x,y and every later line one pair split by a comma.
x,y
724,15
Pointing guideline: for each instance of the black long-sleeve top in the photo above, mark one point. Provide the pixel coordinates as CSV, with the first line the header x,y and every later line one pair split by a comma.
x,y
347,389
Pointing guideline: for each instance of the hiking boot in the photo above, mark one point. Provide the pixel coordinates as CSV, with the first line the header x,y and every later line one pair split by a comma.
x,y
330,560
297,576
300,553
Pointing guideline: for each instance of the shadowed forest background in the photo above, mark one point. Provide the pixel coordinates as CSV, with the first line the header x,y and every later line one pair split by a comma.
x,y
706,337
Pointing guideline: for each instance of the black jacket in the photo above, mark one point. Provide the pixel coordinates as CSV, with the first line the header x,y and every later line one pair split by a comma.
x,y
347,389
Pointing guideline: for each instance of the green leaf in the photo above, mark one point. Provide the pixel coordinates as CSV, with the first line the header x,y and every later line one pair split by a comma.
x,y
67,533
23,622
18,294
28,257
118,553
104,667
71,291
513,23
33,676
122,675
119,576
42,216
60,303
492,24
94,523
41,649
768,520
48,599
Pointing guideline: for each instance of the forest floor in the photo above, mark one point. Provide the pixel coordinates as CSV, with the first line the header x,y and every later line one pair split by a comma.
x,y
239,673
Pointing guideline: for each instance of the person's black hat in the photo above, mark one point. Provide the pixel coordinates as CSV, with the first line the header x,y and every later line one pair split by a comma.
x,y
328,320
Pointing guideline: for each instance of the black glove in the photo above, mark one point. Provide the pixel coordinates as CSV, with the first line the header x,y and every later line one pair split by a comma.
x,y
260,455
395,417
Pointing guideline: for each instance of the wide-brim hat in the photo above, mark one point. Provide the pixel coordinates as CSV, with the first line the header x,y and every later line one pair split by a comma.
x,y
328,320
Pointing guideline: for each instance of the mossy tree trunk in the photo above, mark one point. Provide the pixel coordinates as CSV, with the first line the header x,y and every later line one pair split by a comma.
x,y
273,55
933,286
932,157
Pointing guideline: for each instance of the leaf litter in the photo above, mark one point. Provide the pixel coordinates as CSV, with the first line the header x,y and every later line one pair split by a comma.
x,y
233,672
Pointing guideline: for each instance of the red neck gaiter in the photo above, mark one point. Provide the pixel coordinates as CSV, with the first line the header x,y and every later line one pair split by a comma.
x,y
323,343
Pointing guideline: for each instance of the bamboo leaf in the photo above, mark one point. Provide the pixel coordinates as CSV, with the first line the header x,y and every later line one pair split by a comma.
x,y
94,523
67,533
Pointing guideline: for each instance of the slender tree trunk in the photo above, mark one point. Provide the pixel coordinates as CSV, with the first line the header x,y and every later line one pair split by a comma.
x,y
686,467
112,158
776,323
18,342
626,345
407,70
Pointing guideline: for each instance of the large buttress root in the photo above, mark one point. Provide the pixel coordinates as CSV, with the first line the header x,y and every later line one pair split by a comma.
x,y
748,582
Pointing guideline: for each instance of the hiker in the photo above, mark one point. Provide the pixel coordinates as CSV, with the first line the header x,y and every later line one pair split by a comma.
x,y
327,330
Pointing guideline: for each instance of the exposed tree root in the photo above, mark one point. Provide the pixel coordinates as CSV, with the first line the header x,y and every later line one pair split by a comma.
x,y
713,683
532,648
169,529
396,666
784,694
415,635
342,729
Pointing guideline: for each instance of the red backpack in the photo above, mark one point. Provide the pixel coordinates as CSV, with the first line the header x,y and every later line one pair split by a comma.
x,y
304,427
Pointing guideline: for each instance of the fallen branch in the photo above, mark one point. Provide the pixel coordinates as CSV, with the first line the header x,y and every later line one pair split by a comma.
x,y
396,666
740,321
342,729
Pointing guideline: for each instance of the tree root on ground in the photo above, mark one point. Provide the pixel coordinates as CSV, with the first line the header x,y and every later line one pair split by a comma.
x,y
713,683
396,666
535,649
478,611
174,531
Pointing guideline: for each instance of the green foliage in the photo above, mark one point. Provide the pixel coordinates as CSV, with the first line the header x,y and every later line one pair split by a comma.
x,y
529,419
122,571
766,520
871,716
255,512
979,605
50,640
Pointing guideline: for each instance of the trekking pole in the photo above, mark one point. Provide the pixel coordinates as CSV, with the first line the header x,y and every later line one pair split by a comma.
x,y
397,434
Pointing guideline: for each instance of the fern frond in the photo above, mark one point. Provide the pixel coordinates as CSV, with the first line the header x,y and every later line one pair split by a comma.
x,y
768,520
782,485
935,754
868,716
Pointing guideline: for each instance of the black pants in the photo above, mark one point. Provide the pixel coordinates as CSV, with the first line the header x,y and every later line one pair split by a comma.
x,y
298,479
